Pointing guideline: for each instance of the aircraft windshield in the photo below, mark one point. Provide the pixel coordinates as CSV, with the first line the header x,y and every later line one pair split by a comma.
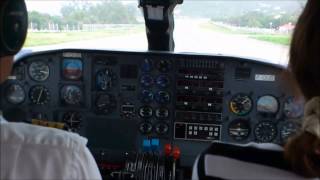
x,y
255,29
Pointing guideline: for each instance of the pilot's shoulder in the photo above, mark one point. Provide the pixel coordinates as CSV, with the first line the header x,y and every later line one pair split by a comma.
x,y
21,133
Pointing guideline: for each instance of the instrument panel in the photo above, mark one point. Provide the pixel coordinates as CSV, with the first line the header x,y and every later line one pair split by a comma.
x,y
120,100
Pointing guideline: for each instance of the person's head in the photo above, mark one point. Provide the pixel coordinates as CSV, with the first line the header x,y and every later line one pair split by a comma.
x,y
303,150
13,30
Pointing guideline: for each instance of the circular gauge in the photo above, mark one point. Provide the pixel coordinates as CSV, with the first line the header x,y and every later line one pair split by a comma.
x,y
146,65
241,104
146,81
293,107
145,128
164,66
146,112
71,95
265,132
15,94
106,103
162,128
163,97
239,129
146,96
267,105
287,130
73,120
105,79
163,81
39,95
39,71
162,113
72,69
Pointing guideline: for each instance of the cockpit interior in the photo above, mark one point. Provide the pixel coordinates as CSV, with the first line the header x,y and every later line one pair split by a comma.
x,y
148,114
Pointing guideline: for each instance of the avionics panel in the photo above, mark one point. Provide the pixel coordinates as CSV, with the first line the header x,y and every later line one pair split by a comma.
x,y
126,103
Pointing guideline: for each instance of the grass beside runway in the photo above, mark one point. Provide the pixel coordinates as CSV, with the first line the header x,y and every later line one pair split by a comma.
x,y
51,38
281,39
277,39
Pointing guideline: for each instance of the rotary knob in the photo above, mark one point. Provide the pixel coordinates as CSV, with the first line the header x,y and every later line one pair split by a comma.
x,y
162,128
146,112
145,128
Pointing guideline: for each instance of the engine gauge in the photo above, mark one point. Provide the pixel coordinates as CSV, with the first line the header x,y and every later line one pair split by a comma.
x,y
163,97
164,65
265,131
71,95
106,103
39,95
241,104
146,96
163,81
39,71
73,120
239,129
293,107
105,79
15,94
146,81
287,130
72,69
267,105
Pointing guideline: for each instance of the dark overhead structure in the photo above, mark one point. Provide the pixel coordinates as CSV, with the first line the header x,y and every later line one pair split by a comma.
x,y
159,20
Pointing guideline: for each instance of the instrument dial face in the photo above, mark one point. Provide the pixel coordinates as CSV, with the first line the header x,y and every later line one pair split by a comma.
x,y
239,129
106,103
162,113
146,112
15,94
162,128
146,96
72,69
39,95
71,95
73,121
39,71
163,97
241,104
164,66
265,132
294,107
105,79
146,81
287,130
163,81
268,105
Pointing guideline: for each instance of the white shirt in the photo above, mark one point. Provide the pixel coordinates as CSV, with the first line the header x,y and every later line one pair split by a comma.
x,y
29,152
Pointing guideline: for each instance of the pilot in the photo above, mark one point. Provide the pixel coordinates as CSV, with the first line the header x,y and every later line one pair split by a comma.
x,y
300,158
34,153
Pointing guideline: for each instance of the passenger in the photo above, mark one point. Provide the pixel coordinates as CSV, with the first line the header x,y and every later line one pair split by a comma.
x,y
40,153
301,156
